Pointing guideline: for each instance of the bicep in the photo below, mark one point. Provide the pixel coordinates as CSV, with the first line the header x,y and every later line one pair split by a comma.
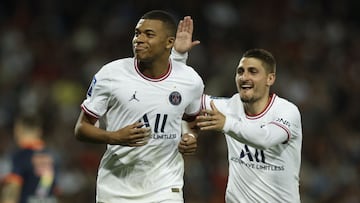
x,y
88,118
85,118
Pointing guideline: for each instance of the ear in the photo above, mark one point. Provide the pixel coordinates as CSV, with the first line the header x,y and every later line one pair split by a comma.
x,y
170,42
271,79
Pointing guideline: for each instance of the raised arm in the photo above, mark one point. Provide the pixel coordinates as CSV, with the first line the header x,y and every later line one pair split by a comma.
x,y
184,34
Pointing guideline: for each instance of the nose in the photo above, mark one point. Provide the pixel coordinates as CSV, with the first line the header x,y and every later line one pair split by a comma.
x,y
243,76
138,38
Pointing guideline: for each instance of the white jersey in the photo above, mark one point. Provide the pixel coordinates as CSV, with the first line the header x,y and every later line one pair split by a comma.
x,y
121,95
264,150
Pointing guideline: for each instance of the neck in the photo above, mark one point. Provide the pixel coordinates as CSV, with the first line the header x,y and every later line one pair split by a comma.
x,y
256,107
154,69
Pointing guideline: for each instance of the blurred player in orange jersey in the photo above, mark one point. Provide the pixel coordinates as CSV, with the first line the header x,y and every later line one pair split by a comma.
x,y
33,173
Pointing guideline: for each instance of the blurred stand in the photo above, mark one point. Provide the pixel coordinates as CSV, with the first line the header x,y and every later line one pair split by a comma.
x,y
49,50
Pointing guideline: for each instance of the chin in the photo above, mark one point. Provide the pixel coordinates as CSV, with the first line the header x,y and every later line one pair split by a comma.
x,y
142,58
246,99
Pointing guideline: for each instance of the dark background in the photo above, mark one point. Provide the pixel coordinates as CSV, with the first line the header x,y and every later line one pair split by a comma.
x,y
50,50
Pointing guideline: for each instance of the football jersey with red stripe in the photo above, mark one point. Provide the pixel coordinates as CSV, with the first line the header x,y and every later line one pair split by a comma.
x,y
264,150
121,95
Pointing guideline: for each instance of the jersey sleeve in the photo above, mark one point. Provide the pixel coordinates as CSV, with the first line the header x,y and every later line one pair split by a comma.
x,y
98,95
220,102
253,134
289,119
179,56
278,130
194,107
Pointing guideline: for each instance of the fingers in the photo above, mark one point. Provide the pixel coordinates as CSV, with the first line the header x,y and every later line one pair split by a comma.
x,y
138,135
188,144
187,149
208,125
186,25
210,119
194,43
213,107
187,152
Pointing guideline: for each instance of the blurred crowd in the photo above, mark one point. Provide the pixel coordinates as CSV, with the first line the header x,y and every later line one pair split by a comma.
x,y
50,49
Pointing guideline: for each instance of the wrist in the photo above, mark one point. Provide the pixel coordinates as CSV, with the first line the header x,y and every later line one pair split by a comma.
x,y
192,135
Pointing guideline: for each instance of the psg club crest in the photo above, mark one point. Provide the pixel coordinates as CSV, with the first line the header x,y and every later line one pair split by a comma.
x,y
175,98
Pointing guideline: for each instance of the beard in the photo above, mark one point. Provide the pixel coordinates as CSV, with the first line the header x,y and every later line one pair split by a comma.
x,y
248,98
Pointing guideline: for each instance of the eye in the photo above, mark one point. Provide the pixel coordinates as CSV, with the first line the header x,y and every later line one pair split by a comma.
x,y
150,34
240,71
253,70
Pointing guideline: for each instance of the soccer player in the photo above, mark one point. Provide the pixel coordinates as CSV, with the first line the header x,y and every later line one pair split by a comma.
x,y
135,106
263,133
33,173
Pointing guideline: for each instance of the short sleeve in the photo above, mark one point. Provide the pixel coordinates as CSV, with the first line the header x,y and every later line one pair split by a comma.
x,y
220,102
98,95
195,106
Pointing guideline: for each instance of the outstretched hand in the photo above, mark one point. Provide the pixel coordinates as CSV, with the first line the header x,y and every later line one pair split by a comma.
x,y
211,119
183,42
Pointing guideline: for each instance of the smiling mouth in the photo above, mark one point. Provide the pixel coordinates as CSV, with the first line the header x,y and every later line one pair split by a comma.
x,y
246,86
138,48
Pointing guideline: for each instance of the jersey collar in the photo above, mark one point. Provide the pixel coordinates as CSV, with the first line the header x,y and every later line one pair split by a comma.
x,y
267,108
158,79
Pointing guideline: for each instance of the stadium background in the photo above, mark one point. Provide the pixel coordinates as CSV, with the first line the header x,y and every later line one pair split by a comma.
x,y
51,48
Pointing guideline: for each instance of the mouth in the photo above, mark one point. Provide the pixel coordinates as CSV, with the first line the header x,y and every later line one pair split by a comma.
x,y
246,86
138,49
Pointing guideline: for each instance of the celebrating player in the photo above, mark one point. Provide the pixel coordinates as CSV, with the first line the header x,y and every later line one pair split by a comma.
x,y
263,132
135,106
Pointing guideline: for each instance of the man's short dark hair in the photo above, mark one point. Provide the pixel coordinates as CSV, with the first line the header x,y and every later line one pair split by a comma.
x,y
264,56
164,17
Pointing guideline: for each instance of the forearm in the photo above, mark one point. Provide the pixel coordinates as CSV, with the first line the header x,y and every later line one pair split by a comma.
x,y
254,135
88,133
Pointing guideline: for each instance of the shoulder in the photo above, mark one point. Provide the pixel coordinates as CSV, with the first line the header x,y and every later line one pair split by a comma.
x,y
285,104
185,70
116,66
285,108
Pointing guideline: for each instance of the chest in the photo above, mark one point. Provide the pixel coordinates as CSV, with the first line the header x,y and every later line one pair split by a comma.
x,y
133,93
